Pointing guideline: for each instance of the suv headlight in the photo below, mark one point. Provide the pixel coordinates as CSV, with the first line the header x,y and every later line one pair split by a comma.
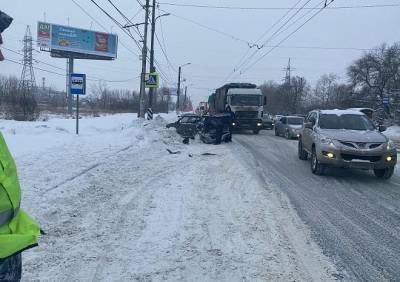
x,y
327,141
390,145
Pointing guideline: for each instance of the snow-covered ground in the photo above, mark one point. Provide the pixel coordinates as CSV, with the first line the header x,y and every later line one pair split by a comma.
x,y
393,132
116,206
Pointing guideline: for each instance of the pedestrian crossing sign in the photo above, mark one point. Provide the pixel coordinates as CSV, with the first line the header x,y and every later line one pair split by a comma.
x,y
152,80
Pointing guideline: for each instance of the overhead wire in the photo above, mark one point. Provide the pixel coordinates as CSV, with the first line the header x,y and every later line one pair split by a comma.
x,y
104,28
62,69
241,61
277,8
289,35
231,36
276,33
162,73
164,45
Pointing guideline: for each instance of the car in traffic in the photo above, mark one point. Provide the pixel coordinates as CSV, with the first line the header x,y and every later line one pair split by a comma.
x,y
268,122
348,139
186,125
289,126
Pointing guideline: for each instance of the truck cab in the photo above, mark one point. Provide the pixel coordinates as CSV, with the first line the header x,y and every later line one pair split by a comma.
x,y
247,105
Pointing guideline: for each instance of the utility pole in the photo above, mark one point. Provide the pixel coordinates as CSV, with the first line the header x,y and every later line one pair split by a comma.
x,y
288,74
144,60
152,68
178,92
184,101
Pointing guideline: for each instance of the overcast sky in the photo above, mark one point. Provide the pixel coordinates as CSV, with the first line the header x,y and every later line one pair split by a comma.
x,y
188,37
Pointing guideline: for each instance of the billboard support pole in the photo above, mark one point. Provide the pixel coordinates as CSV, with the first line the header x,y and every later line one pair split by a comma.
x,y
70,70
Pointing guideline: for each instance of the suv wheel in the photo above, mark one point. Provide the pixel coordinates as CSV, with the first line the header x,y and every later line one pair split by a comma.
x,y
384,173
316,167
303,155
256,131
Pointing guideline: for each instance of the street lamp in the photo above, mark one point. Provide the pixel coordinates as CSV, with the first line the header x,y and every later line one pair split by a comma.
x,y
179,85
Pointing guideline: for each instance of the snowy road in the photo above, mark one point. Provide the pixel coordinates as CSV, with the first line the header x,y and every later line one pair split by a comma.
x,y
117,206
354,217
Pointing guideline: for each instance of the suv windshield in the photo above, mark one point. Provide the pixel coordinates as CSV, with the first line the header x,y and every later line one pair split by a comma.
x,y
295,121
347,121
245,100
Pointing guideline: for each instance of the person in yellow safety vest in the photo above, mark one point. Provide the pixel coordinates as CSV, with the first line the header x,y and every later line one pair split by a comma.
x,y
18,231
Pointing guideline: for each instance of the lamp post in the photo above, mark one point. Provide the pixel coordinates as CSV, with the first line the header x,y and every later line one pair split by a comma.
x,y
179,85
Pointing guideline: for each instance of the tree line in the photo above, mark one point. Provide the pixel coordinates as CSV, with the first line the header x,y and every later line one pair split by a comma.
x,y
21,103
372,80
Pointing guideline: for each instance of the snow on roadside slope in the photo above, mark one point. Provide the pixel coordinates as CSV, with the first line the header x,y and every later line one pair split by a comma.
x,y
393,132
118,207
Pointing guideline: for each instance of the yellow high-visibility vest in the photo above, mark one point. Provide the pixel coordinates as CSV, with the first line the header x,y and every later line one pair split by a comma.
x,y
18,231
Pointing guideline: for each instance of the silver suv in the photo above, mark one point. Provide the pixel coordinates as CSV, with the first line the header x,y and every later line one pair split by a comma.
x,y
346,138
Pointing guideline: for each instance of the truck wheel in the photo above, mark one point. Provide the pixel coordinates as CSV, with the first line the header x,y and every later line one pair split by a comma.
x,y
316,167
303,155
256,131
384,173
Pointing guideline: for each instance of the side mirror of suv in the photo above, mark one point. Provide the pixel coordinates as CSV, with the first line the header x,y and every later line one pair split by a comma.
x,y
308,125
382,128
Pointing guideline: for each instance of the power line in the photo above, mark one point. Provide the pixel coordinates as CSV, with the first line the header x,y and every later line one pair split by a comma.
x,y
275,34
276,8
288,36
19,63
117,23
267,31
162,74
164,47
102,26
164,53
243,59
278,31
210,28
91,78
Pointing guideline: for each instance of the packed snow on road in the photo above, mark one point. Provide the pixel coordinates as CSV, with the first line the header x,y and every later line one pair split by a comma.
x,y
117,206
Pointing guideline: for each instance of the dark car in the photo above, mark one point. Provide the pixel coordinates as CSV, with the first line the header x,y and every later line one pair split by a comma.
x,y
208,128
268,123
186,125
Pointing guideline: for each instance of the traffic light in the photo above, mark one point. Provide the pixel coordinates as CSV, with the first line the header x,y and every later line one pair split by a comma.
x,y
5,21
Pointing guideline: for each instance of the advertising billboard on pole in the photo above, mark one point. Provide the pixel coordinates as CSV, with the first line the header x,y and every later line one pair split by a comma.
x,y
65,40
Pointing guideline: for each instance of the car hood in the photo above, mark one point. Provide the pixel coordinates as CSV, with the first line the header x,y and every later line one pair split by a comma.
x,y
354,135
295,126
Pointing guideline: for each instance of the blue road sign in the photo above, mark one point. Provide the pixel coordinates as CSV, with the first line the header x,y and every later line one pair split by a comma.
x,y
78,83
385,100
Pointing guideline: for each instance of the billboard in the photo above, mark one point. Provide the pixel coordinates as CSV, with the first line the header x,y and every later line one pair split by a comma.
x,y
64,39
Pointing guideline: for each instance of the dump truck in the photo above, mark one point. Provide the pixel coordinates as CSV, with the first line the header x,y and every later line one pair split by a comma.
x,y
245,100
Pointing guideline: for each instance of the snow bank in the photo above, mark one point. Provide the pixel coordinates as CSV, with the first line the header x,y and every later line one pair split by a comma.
x,y
117,206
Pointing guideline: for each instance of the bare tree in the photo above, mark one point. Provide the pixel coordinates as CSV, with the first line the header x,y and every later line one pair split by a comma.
x,y
378,71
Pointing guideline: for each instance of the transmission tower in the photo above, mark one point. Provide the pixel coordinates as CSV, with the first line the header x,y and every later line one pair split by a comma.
x,y
27,82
